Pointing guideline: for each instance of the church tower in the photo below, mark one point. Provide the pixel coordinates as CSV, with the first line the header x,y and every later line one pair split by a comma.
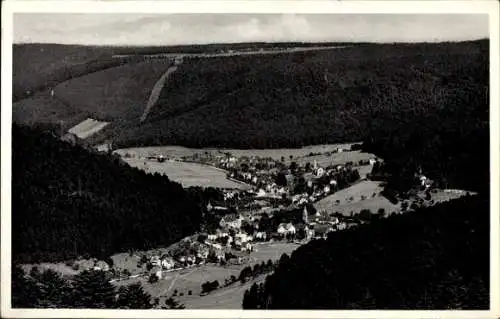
x,y
305,216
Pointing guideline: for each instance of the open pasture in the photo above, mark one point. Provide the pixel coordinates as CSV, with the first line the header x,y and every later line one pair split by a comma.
x,y
188,174
87,128
341,158
119,93
356,191
180,151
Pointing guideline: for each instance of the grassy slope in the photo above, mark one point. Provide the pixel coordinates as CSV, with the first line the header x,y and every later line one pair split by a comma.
x,y
38,66
119,93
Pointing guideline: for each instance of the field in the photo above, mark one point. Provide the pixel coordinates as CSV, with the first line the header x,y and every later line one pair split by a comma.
x,y
364,188
188,174
87,128
180,151
116,94
335,158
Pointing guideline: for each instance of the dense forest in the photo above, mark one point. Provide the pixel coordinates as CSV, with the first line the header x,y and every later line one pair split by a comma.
x,y
50,63
315,97
89,289
69,202
433,258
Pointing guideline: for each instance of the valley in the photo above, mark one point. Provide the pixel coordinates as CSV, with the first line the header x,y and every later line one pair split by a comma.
x,y
201,174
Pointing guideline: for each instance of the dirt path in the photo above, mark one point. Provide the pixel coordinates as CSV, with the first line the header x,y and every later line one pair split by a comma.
x,y
155,93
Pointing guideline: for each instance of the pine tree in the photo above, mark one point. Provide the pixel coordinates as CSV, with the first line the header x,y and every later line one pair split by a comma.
x,y
25,292
91,289
133,296
54,290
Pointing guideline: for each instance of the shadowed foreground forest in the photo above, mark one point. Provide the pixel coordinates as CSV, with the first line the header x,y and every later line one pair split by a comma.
x,y
435,258
69,202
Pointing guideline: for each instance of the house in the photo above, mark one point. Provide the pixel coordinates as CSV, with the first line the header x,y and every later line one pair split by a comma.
x,y
372,161
261,235
247,247
190,260
155,260
167,263
261,193
320,172
101,265
231,221
341,226
240,238
157,271
282,229
211,237
290,229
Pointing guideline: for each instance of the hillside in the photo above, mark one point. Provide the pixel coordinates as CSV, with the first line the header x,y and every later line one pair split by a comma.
x,y
294,99
435,258
407,102
68,202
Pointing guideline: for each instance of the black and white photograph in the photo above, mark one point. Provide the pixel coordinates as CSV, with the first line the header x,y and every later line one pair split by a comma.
x,y
223,162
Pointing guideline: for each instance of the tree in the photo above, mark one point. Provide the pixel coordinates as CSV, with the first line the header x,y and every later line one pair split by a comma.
x,y
91,289
25,292
171,303
381,212
54,290
284,259
281,179
133,296
153,278
308,167
365,214
244,274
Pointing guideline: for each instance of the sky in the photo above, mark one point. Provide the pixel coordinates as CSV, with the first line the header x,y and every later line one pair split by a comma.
x,y
173,29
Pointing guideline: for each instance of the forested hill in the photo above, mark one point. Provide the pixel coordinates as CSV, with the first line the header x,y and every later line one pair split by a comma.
x,y
435,258
68,202
317,97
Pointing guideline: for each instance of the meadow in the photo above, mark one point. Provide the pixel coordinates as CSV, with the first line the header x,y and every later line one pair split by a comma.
x,y
117,94
276,154
188,174
87,128
358,191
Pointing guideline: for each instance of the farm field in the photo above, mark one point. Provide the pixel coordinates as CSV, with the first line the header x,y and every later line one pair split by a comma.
x,y
188,174
87,128
230,297
335,158
364,188
180,151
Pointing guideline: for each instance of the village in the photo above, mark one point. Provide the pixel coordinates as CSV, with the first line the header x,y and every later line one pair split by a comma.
x,y
279,207
285,202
